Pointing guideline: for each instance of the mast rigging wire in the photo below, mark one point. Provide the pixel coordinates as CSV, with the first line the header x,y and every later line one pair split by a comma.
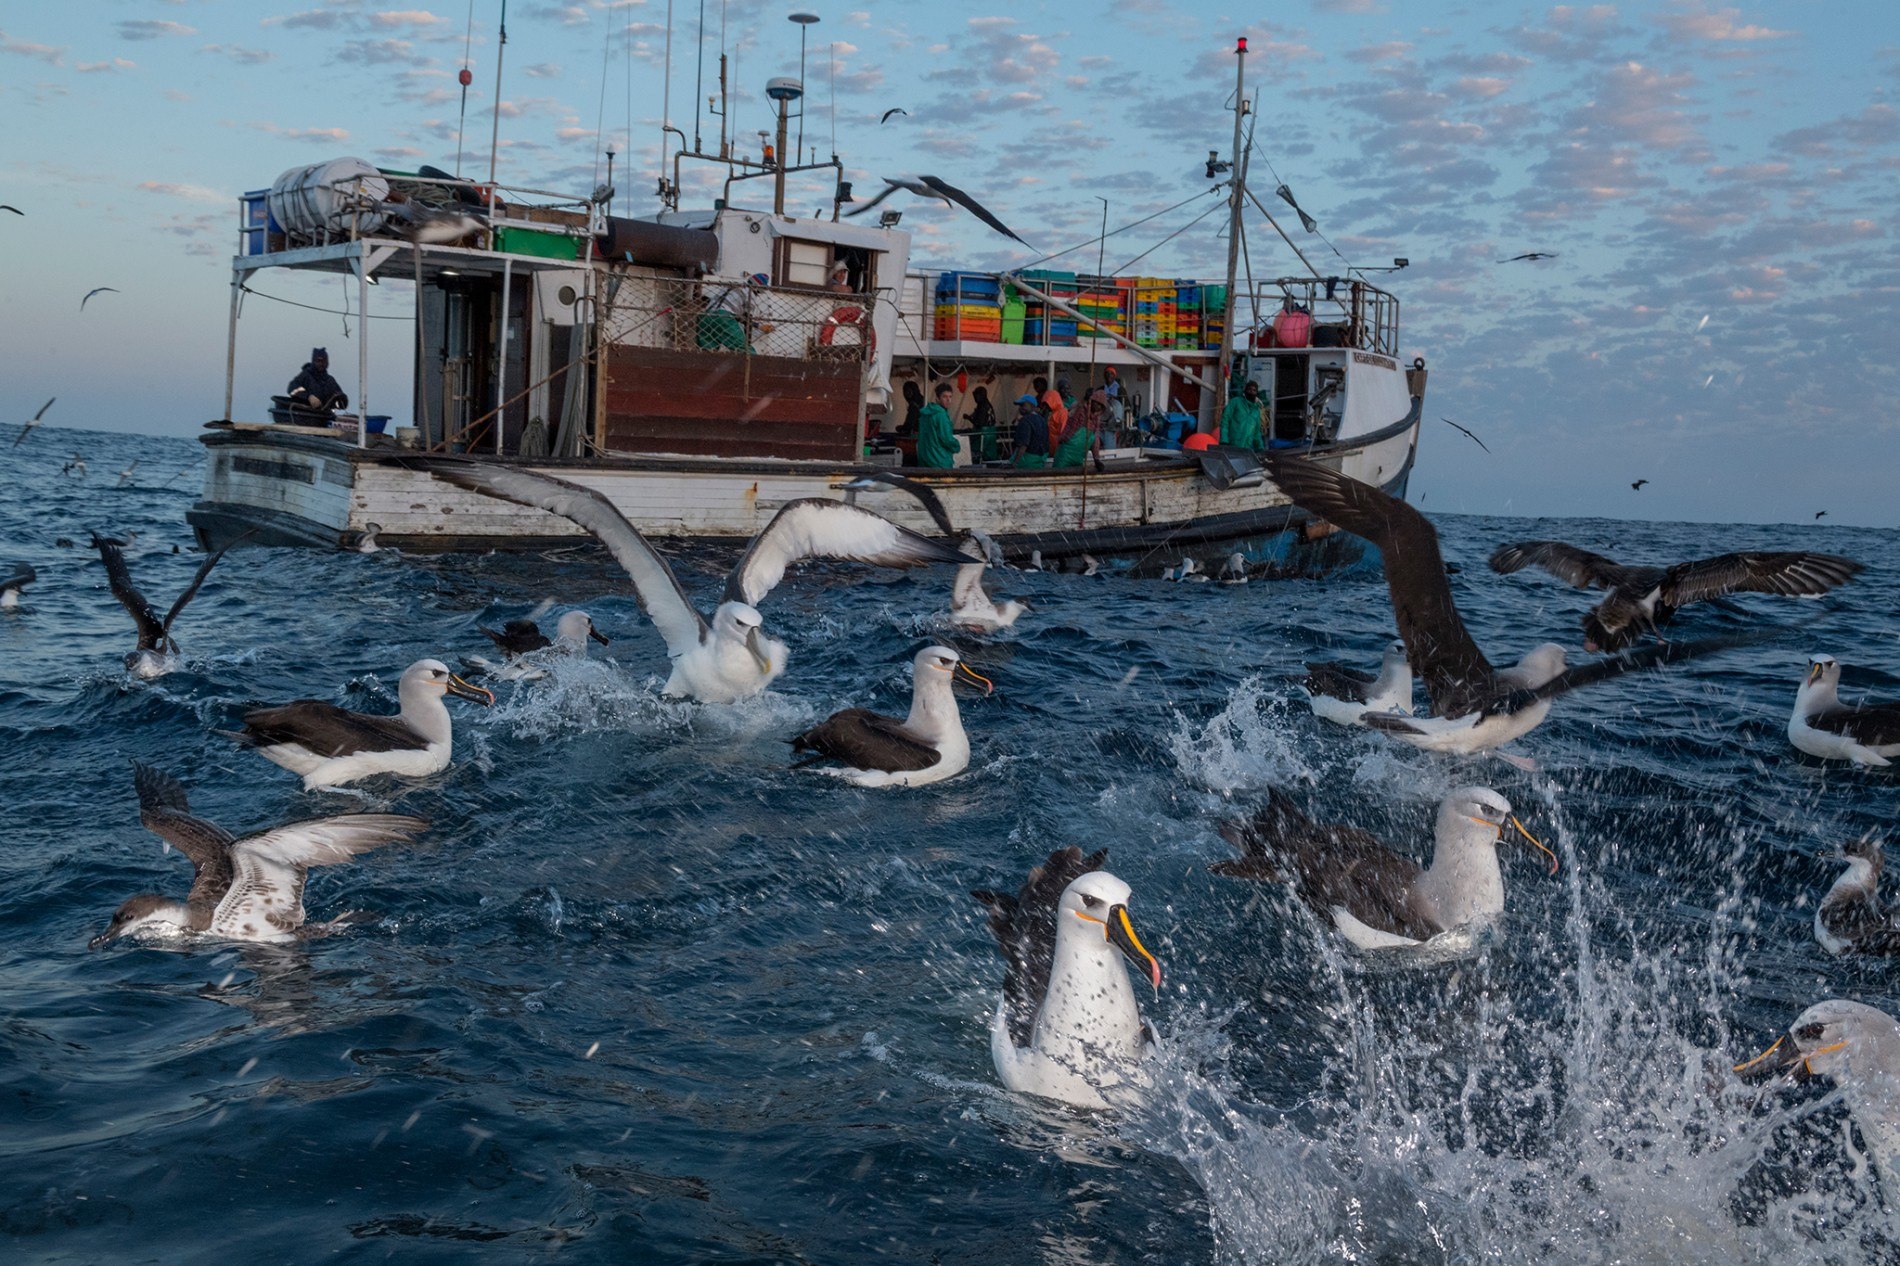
x,y
461,124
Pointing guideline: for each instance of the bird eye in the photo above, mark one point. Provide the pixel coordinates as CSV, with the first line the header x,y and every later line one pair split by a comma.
x,y
1092,903
1810,1032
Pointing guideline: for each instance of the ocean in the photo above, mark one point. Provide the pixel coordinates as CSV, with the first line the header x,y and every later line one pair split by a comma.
x,y
644,992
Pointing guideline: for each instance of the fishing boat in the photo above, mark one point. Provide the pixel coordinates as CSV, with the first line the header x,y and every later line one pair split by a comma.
x,y
701,368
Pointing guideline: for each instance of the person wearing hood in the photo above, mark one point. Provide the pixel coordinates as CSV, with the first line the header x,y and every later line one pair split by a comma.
x,y
1242,423
313,389
937,442
982,420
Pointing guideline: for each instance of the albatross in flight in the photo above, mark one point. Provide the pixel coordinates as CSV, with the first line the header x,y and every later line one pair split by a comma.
x,y
1821,725
1646,598
1067,1026
1477,707
729,657
971,606
1374,897
927,746
942,191
248,889
330,746
156,653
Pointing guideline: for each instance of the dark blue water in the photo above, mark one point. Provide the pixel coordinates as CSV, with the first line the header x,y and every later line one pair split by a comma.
x,y
643,993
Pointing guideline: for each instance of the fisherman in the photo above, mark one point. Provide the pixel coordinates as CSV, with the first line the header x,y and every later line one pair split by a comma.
x,y
1242,424
1112,389
1084,435
1031,436
982,420
913,409
937,443
313,389
1054,408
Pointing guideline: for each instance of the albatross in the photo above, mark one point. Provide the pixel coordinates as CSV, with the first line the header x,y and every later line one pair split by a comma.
x,y
1343,695
1374,897
330,746
522,642
971,606
1478,707
729,657
17,578
248,889
1646,598
1068,1026
1851,917
1821,725
1857,1047
942,191
927,746
157,652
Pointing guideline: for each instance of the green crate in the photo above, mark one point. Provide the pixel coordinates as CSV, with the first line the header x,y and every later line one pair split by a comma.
x,y
537,242
1014,313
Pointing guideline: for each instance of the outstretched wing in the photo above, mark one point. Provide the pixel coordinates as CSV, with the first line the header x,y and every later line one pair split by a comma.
x,y
813,527
889,189
1577,567
167,814
971,205
1616,665
666,604
1455,671
191,590
926,497
19,574
151,628
1025,928
267,892
1798,573
967,595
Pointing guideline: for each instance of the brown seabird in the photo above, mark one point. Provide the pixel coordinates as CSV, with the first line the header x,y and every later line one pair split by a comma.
x,y
1646,598
1851,917
248,889
927,746
157,652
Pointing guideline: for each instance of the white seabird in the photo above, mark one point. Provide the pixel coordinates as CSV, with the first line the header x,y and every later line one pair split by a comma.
x,y
1344,695
1477,707
971,606
157,652
727,658
1821,725
330,746
366,542
1857,1047
248,889
1234,571
1851,917
1189,571
17,578
1068,1026
927,746
1375,898
526,648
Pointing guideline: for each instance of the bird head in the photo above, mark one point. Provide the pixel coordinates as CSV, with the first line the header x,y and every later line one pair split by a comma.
x,y
1394,653
742,622
1543,663
148,909
1480,815
1837,1039
941,659
1099,902
1823,670
576,627
428,677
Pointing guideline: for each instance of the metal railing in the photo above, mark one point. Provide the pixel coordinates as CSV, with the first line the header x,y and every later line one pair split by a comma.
x,y
727,316
361,214
1353,313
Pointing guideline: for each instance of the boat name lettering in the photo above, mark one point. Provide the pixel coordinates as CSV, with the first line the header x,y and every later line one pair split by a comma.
x,y
266,469
1368,358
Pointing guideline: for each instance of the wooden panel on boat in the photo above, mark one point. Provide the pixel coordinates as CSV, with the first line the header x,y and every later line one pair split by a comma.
x,y
701,405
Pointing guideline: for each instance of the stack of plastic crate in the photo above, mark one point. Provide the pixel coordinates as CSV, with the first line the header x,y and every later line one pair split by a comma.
x,y
1101,301
1152,322
1213,315
1187,314
969,307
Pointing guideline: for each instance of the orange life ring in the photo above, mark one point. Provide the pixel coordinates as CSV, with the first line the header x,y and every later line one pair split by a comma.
x,y
849,317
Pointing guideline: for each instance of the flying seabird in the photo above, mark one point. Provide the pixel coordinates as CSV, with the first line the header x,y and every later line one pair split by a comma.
x,y
16,579
1646,598
436,226
1344,695
1373,896
1851,916
127,472
248,889
521,642
8,207
1638,485
931,187
727,658
1819,515
76,465
1858,1048
1530,255
1474,437
96,290
1821,725
894,110
156,650
1234,570
1477,707
330,746
1067,1026
971,606
927,746
32,422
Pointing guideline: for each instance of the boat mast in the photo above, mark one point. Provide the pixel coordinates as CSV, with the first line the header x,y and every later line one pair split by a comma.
x,y
1236,201
494,134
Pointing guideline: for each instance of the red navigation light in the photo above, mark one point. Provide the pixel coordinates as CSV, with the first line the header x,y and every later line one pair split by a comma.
x,y
1240,45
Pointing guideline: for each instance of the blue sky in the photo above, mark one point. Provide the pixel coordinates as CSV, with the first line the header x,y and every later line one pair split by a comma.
x,y
1684,160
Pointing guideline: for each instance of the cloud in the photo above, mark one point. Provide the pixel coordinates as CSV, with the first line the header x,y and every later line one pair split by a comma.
x,y
417,19
152,29
104,67
1719,26
48,53
239,54
320,135
193,193
542,70
385,52
1877,125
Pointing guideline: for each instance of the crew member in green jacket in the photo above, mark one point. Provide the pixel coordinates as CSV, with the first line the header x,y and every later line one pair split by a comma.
x,y
1084,435
937,444
1242,423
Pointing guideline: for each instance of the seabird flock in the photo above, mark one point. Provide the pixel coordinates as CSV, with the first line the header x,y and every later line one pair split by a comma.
x,y
1068,1025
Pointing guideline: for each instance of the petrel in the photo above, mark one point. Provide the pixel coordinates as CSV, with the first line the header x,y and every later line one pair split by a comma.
x,y
927,746
727,658
1374,897
1477,707
894,110
1643,599
1638,485
1821,725
1067,1026
1529,255
942,191
330,746
248,889
1851,917
96,290
33,422
157,652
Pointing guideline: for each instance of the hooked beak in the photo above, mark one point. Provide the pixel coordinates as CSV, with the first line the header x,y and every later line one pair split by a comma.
x,y
1765,1067
597,635
1814,673
970,674
758,651
1121,934
110,934
474,694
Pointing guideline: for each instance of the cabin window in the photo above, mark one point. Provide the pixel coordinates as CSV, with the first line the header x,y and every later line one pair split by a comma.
x,y
804,264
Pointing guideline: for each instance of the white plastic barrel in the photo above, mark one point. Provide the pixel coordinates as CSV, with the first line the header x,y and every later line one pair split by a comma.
x,y
337,196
